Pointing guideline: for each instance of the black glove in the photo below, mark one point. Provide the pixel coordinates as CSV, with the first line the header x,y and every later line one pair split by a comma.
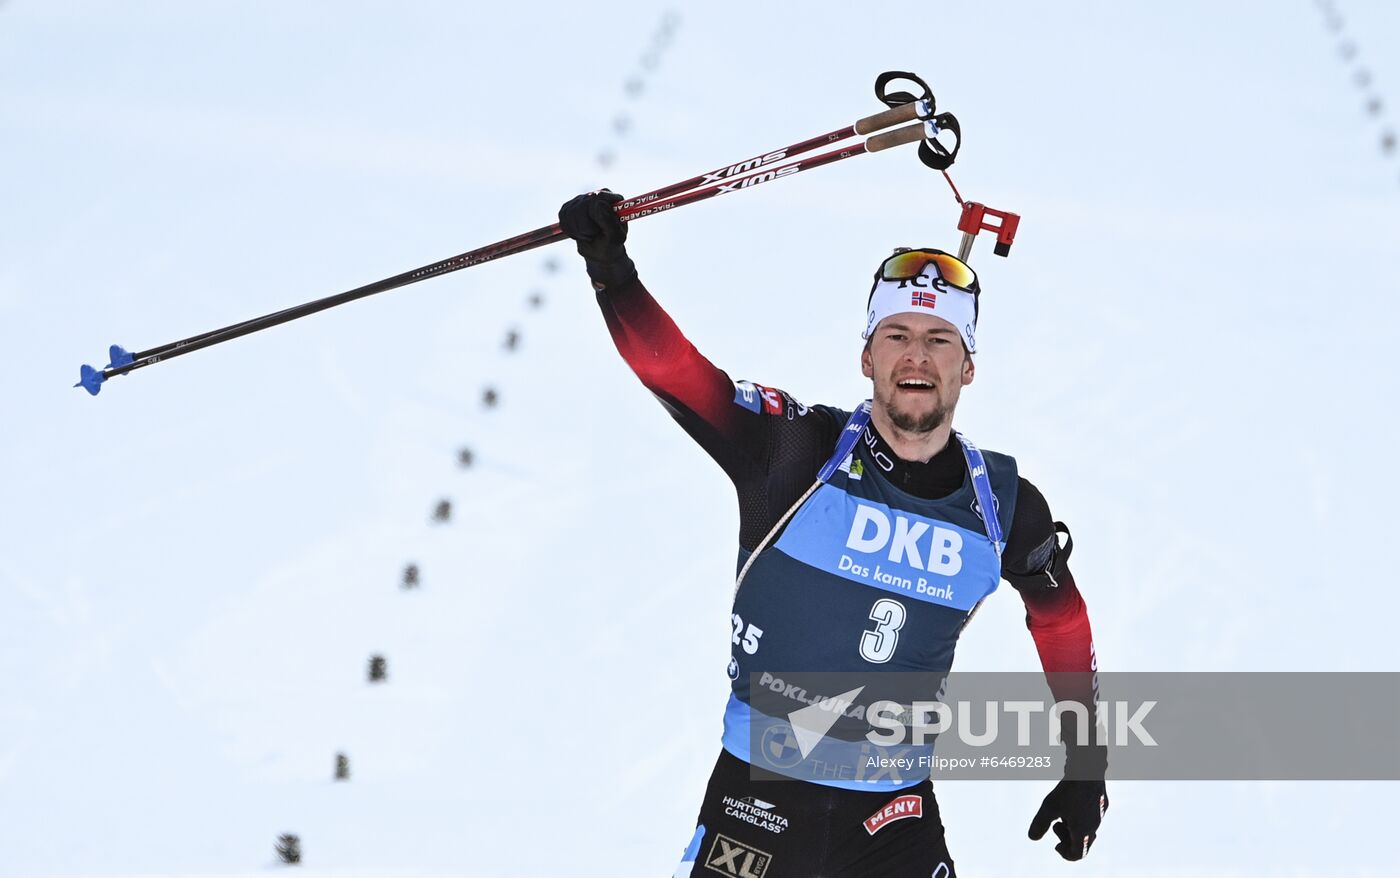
x,y
1076,808
593,224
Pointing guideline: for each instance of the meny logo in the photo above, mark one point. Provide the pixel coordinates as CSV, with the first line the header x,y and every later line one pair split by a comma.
x,y
900,808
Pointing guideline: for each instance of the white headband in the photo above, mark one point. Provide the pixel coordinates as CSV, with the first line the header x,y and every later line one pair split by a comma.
x,y
925,294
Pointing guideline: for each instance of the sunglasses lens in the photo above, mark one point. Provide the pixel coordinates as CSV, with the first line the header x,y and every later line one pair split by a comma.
x,y
903,266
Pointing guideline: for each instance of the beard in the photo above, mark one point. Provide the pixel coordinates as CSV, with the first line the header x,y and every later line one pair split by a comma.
x,y
912,423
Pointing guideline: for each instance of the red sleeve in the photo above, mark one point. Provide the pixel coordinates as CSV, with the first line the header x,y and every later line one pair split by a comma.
x,y
664,359
769,445
1059,624
1038,567
725,419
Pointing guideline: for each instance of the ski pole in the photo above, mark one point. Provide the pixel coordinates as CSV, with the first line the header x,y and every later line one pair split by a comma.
x,y
918,132
917,109
122,361
920,109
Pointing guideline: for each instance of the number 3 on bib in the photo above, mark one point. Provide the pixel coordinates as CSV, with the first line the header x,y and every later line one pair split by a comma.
x,y
877,646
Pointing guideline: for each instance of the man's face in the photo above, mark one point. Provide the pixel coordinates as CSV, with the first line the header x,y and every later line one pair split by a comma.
x,y
919,366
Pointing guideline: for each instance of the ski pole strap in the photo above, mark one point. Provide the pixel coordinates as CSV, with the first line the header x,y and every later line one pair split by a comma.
x,y
899,98
931,152
935,154
982,487
855,425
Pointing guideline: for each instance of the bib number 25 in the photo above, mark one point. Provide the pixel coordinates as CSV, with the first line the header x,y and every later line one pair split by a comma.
x,y
877,646
747,638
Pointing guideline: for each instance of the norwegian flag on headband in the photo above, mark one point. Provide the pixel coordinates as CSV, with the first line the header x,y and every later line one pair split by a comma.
x,y
924,299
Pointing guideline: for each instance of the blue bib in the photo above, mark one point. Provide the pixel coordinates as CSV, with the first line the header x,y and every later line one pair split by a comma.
x,y
867,577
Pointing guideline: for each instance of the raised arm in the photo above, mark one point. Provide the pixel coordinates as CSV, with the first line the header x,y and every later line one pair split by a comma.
x,y
725,417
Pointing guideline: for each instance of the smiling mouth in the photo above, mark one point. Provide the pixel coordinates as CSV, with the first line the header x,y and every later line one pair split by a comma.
x,y
915,385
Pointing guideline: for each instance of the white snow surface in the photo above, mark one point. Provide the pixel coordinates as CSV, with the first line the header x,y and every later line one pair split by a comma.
x,y
1191,352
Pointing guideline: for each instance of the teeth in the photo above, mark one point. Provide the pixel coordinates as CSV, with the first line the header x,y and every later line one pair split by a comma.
x,y
914,382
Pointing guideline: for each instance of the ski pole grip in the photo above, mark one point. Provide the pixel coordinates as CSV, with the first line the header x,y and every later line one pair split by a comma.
x,y
882,120
898,137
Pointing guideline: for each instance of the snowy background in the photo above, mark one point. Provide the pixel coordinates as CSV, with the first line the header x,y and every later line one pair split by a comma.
x,y
1190,351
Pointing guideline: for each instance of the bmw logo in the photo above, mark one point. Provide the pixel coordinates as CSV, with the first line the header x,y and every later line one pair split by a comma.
x,y
779,746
